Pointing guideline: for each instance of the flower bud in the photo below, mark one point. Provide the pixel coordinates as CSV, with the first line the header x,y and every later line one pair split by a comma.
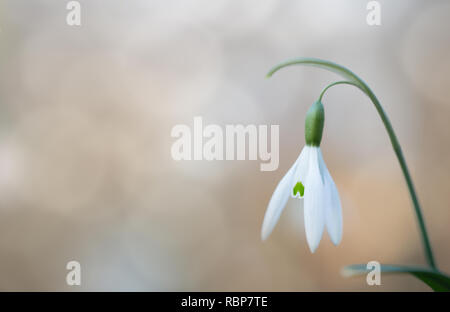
x,y
314,121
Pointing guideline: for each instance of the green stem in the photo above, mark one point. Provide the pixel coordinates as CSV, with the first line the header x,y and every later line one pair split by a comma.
x,y
360,84
334,84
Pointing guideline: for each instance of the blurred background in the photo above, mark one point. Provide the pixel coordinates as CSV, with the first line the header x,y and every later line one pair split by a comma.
x,y
86,113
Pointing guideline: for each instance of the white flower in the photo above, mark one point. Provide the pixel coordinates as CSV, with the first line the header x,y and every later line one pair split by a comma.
x,y
322,206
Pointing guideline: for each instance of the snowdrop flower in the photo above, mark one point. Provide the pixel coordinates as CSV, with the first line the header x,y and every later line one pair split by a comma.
x,y
309,178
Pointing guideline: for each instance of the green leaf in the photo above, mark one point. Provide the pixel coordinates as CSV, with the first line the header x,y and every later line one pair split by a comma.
x,y
433,278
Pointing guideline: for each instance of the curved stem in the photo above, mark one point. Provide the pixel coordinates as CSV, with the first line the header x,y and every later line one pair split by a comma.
x,y
334,84
360,84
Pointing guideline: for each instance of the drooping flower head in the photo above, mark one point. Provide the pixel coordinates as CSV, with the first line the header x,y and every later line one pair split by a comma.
x,y
308,178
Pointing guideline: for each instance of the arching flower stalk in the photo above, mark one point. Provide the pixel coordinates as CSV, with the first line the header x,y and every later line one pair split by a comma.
x,y
309,178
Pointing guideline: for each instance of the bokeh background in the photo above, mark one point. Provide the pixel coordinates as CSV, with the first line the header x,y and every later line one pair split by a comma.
x,y
85,118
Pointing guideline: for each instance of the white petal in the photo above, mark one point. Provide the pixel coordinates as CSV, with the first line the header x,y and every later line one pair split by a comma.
x,y
333,211
314,205
302,169
278,201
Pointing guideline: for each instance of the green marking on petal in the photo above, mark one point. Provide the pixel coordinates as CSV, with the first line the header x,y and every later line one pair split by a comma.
x,y
299,188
